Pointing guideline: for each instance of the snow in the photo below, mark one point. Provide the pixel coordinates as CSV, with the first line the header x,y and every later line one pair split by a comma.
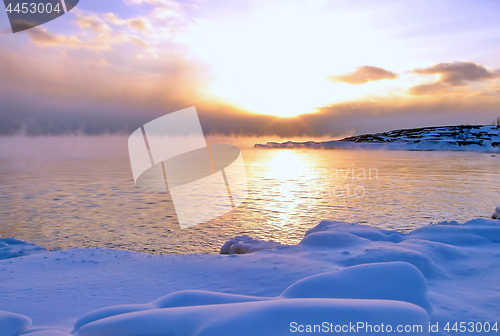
x,y
12,248
46,332
392,283
340,273
378,281
478,138
177,299
11,324
496,214
245,244
257,318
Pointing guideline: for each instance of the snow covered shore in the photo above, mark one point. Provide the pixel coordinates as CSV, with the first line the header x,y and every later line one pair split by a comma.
x,y
453,138
12,248
339,275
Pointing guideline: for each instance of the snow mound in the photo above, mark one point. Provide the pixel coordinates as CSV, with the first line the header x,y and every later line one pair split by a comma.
x,y
383,281
422,247
496,214
475,232
364,289
333,240
363,231
245,244
272,317
12,324
47,332
12,248
178,299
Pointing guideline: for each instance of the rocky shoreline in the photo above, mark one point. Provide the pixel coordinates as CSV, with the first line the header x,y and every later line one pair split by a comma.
x,y
481,138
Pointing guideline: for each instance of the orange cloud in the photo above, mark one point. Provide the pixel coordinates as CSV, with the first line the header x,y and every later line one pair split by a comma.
x,y
429,89
104,39
138,41
92,22
135,23
364,74
41,36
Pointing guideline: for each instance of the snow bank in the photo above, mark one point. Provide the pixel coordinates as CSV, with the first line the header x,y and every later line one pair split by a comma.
x,y
12,324
380,281
15,325
12,248
245,244
174,300
496,214
339,273
273,317
391,290
47,332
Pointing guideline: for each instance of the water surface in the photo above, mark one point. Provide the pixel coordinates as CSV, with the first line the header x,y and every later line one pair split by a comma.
x,y
64,192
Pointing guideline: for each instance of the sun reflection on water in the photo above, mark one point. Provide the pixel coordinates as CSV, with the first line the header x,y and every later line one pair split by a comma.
x,y
287,181
286,165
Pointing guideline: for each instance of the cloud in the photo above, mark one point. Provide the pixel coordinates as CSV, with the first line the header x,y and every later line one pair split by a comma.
x,y
146,73
458,73
160,3
41,36
452,76
138,24
104,38
135,23
20,25
364,74
72,90
429,89
164,9
168,17
92,22
338,120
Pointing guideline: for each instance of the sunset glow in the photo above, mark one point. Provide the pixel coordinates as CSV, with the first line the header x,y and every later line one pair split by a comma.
x,y
342,67
276,61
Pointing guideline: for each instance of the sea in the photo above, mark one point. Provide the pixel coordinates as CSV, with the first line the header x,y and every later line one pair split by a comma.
x,y
78,192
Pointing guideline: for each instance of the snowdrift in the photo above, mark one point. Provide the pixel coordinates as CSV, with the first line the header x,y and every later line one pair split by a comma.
x,y
12,248
341,275
246,244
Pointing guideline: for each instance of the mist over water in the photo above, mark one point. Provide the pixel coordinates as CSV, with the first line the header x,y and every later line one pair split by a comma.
x,y
78,191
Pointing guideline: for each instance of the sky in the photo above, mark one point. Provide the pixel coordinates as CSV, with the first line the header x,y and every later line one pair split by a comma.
x,y
290,68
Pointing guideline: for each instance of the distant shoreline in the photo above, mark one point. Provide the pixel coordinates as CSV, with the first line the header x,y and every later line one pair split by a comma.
x,y
477,138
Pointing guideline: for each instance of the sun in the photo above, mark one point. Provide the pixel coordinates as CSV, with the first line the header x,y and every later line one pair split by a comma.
x,y
276,60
